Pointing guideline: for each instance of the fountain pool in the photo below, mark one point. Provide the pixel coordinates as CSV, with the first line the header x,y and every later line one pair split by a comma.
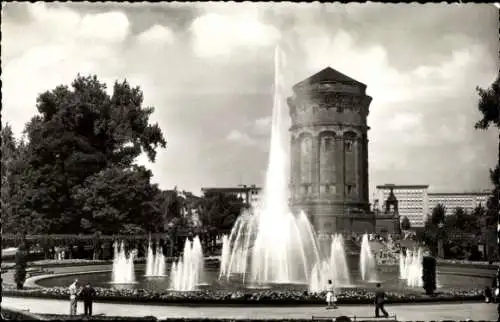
x,y
449,277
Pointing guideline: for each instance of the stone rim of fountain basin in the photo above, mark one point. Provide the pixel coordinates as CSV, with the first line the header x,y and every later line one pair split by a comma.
x,y
218,297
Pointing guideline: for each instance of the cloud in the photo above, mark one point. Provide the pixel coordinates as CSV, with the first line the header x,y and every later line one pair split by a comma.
x,y
216,34
240,137
208,70
157,34
262,125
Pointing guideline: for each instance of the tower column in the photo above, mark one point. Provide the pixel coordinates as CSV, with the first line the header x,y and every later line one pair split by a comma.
x,y
315,166
340,160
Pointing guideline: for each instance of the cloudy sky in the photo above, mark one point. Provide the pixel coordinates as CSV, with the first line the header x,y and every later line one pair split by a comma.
x,y
208,70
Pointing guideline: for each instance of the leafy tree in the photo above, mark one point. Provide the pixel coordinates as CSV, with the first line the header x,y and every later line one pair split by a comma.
x,y
219,211
15,218
405,223
80,134
489,106
433,231
438,214
119,200
9,151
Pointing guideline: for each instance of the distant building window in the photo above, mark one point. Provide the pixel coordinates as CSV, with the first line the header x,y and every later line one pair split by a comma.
x,y
327,144
349,189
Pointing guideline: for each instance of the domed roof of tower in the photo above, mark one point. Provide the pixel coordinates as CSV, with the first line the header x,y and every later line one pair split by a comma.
x,y
326,75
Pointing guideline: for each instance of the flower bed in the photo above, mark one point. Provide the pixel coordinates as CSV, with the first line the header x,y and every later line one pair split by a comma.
x,y
267,297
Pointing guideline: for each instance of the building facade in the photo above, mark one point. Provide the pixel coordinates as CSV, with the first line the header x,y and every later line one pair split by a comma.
x,y
329,152
416,202
412,201
452,200
249,194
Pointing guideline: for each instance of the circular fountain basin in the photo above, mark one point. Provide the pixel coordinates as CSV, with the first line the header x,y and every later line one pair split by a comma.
x,y
448,277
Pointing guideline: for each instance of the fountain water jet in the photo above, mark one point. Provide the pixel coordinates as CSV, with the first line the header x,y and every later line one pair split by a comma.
x,y
255,245
334,268
410,267
155,262
187,272
123,266
367,264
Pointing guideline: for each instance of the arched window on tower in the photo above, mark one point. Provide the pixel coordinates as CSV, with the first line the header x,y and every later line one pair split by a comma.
x,y
327,160
350,163
305,159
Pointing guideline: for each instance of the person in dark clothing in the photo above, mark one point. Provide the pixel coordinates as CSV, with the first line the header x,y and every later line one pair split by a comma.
x,y
488,294
87,295
379,302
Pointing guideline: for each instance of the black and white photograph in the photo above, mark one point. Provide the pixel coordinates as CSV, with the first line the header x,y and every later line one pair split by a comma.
x,y
250,161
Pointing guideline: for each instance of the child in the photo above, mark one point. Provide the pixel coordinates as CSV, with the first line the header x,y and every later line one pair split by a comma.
x,y
331,299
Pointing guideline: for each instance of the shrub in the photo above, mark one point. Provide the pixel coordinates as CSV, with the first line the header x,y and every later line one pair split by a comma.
x,y
21,263
429,274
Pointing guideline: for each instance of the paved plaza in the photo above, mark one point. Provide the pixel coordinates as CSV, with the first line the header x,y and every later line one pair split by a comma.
x,y
416,312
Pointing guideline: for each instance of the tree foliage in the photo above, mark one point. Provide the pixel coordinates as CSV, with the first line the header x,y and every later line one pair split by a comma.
x,y
220,211
405,223
489,107
78,168
111,199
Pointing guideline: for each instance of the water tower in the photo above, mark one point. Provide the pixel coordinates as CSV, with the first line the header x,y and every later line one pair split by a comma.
x,y
329,152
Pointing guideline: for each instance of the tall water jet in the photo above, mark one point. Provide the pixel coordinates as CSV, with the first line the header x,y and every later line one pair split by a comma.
x,y
160,261
155,261
338,261
187,272
367,264
415,269
224,257
256,246
333,268
150,258
402,266
123,266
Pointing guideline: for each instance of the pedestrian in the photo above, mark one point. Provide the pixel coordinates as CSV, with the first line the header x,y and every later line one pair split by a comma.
x,y
87,294
379,301
72,297
331,298
488,294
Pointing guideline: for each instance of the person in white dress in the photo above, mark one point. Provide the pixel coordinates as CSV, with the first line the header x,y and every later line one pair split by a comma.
x,y
73,290
331,297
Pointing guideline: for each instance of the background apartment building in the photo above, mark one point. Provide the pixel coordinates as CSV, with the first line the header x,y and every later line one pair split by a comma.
x,y
412,201
416,202
466,200
249,194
